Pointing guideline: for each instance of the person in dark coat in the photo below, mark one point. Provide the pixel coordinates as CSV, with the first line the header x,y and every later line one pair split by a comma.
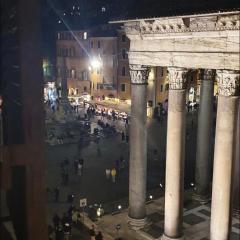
x,y
99,236
56,221
56,194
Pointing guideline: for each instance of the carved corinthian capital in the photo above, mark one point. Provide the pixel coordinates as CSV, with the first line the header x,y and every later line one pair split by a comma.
x,y
139,74
177,78
228,83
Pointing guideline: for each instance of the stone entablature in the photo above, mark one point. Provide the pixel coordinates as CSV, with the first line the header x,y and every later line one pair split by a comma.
x,y
184,24
207,41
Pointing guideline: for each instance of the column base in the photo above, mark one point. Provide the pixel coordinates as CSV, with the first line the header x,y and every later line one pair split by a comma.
x,y
202,199
136,224
164,237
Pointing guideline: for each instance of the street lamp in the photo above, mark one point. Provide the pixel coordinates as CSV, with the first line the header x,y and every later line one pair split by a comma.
x,y
96,63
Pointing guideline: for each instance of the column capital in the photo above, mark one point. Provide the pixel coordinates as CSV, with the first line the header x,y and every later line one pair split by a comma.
x,y
207,74
177,78
139,74
228,83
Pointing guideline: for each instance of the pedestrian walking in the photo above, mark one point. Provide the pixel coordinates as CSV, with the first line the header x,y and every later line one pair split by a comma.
x,y
75,165
99,236
123,136
108,173
113,174
56,221
122,163
117,164
127,138
92,233
81,161
56,194
79,171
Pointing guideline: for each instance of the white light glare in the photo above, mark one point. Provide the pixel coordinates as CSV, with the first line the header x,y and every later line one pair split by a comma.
x,y
119,207
95,63
151,197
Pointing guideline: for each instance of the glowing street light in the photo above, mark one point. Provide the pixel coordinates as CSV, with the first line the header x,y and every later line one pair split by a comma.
x,y
96,63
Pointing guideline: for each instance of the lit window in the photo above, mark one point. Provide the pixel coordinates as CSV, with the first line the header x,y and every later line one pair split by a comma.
x,y
103,9
58,36
85,75
123,87
85,35
73,73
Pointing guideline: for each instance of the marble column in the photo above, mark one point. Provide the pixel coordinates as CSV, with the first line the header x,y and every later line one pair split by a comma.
x,y
138,147
175,155
204,135
228,99
236,183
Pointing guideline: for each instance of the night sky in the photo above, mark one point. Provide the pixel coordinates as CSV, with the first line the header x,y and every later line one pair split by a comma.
x,y
80,14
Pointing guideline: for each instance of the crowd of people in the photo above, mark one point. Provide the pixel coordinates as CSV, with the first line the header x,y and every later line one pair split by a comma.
x,y
61,227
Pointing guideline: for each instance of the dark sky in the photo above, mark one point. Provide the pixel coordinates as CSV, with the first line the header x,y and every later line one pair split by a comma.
x,y
88,13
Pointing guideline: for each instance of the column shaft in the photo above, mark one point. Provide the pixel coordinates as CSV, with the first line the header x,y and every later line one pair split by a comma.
x,y
223,168
204,135
138,147
175,164
138,152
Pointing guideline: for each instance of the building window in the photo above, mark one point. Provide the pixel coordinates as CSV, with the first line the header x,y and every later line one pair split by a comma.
x,y
59,72
123,87
123,38
85,35
84,89
91,44
166,87
161,71
85,75
161,88
58,36
124,55
73,73
99,44
123,71
77,91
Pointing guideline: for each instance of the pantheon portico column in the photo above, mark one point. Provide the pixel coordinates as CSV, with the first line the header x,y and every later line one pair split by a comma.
x,y
138,147
228,100
204,134
236,183
175,155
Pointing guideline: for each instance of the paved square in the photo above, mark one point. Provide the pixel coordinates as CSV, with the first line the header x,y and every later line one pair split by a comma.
x,y
155,217
205,212
192,219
